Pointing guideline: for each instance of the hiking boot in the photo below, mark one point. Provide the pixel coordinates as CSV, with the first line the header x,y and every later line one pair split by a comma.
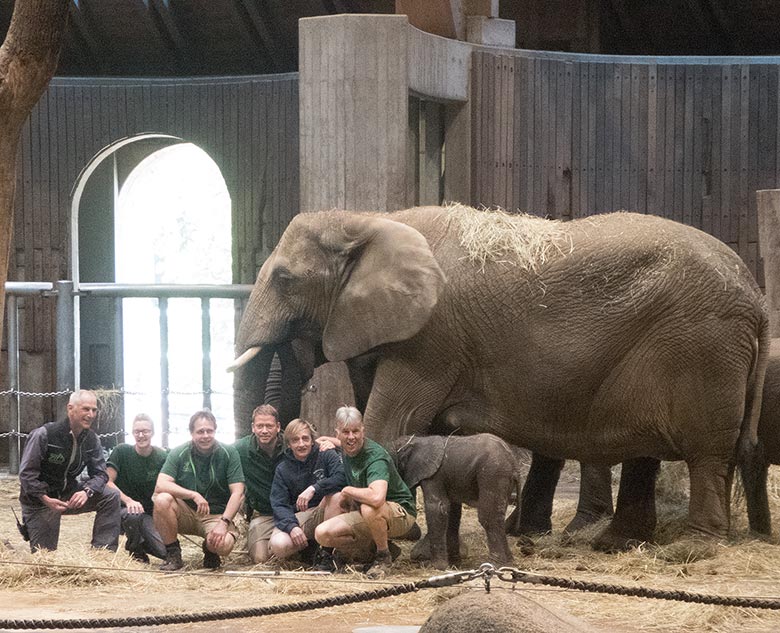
x,y
173,561
324,561
210,559
140,556
381,565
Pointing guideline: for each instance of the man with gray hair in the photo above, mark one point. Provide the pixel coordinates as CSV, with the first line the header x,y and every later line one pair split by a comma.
x,y
377,503
54,456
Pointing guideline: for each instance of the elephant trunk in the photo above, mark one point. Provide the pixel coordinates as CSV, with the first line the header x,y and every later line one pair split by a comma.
x,y
249,387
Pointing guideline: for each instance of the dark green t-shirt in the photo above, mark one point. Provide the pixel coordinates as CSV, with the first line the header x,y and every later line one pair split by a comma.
x,y
373,463
259,470
137,474
210,475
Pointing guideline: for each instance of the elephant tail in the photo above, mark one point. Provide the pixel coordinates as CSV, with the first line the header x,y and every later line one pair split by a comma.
x,y
755,388
750,456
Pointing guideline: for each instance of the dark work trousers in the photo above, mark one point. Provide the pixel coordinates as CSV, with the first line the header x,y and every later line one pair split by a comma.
x,y
44,524
142,536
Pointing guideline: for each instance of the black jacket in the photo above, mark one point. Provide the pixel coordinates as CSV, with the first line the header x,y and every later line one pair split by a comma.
x,y
46,467
322,469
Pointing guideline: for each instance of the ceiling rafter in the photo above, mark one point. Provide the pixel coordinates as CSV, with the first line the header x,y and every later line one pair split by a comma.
x,y
258,31
162,17
86,33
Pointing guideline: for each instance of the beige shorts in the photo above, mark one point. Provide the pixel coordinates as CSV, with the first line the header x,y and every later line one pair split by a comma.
x,y
398,523
260,529
190,522
309,520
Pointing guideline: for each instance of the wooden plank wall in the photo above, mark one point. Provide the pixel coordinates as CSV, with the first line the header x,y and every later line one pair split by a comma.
x,y
571,136
248,125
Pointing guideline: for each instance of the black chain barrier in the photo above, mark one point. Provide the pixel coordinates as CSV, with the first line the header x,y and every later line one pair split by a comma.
x,y
486,572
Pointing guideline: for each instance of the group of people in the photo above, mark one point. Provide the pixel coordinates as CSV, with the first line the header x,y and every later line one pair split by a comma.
x,y
332,500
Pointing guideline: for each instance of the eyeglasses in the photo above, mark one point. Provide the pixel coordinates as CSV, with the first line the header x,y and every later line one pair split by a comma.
x,y
142,432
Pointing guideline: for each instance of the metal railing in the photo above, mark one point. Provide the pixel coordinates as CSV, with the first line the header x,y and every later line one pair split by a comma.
x,y
66,294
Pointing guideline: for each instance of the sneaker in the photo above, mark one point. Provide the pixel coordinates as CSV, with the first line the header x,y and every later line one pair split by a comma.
x,y
381,566
323,560
210,559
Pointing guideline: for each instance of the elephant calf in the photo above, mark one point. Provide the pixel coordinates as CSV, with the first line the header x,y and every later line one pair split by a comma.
x,y
479,470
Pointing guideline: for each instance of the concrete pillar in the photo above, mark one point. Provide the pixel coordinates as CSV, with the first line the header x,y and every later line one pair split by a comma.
x,y
769,243
354,113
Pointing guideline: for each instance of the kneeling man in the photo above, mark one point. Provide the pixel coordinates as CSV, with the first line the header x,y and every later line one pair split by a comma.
x,y
378,504
199,491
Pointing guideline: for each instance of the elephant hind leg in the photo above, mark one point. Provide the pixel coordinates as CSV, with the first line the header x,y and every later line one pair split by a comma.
x,y
754,469
708,512
634,521
595,501
491,518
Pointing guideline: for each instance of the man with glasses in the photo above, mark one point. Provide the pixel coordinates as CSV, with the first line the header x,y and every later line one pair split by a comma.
x,y
133,470
199,491
54,456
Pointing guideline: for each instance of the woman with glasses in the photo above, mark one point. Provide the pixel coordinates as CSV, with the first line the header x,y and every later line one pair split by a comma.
x,y
133,469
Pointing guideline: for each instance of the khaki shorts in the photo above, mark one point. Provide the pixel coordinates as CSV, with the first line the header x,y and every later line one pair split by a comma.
x,y
190,522
399,523
260,529
309,520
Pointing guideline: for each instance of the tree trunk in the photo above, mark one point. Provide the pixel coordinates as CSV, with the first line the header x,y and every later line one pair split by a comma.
x,y
28,59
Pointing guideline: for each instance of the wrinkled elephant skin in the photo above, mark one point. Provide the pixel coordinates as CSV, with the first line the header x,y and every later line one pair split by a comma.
x,y
604,339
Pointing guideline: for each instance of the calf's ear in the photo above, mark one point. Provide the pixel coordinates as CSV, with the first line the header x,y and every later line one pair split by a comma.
x,y
422,459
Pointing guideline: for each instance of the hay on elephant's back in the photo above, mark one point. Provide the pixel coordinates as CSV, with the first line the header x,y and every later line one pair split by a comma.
x,y
522,240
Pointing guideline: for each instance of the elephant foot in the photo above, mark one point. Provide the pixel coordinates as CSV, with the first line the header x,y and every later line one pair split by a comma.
x,y
611,541
421,552
534,529
526,545
585,519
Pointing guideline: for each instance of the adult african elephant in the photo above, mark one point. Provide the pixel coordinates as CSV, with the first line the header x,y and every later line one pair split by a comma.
x,y
612,338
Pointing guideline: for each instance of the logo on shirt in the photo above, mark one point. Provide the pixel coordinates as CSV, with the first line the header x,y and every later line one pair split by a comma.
x,y
319,474
56,458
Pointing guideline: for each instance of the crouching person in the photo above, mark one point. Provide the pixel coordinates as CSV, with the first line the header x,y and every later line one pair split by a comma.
x,y
302,494
55,454
377,503
199,491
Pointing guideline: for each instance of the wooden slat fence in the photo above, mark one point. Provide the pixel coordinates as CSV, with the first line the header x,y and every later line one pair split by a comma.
x,y
248,125
567,136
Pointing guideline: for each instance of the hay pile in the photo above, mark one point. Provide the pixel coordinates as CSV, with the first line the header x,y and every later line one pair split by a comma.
x,y
739,566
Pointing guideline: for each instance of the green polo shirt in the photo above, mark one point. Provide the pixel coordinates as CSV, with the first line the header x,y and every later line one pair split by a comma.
x,y
373,463
210,475
259,470
136,475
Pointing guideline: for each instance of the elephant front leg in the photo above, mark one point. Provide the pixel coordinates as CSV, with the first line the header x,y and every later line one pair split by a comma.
x,y
595,501
634,520
453,533
708,510
537,499
437,509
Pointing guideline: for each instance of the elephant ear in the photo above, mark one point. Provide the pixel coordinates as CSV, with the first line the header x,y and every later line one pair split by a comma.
x,y
420,458
390,288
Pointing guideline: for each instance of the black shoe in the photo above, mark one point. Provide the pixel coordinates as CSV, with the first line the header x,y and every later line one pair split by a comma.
x,y
308,555
395,551
173,562
140,556
210,559
323,560
381,566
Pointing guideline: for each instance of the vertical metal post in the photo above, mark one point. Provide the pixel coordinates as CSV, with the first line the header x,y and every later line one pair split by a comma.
x,y
66,347
164,386
119,365
205,335
13,383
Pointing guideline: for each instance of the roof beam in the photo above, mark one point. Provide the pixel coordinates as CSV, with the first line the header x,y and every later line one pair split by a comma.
x,y
86,33
259,31
165,22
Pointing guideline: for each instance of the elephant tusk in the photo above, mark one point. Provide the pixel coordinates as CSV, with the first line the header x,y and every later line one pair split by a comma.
x,y
244,358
